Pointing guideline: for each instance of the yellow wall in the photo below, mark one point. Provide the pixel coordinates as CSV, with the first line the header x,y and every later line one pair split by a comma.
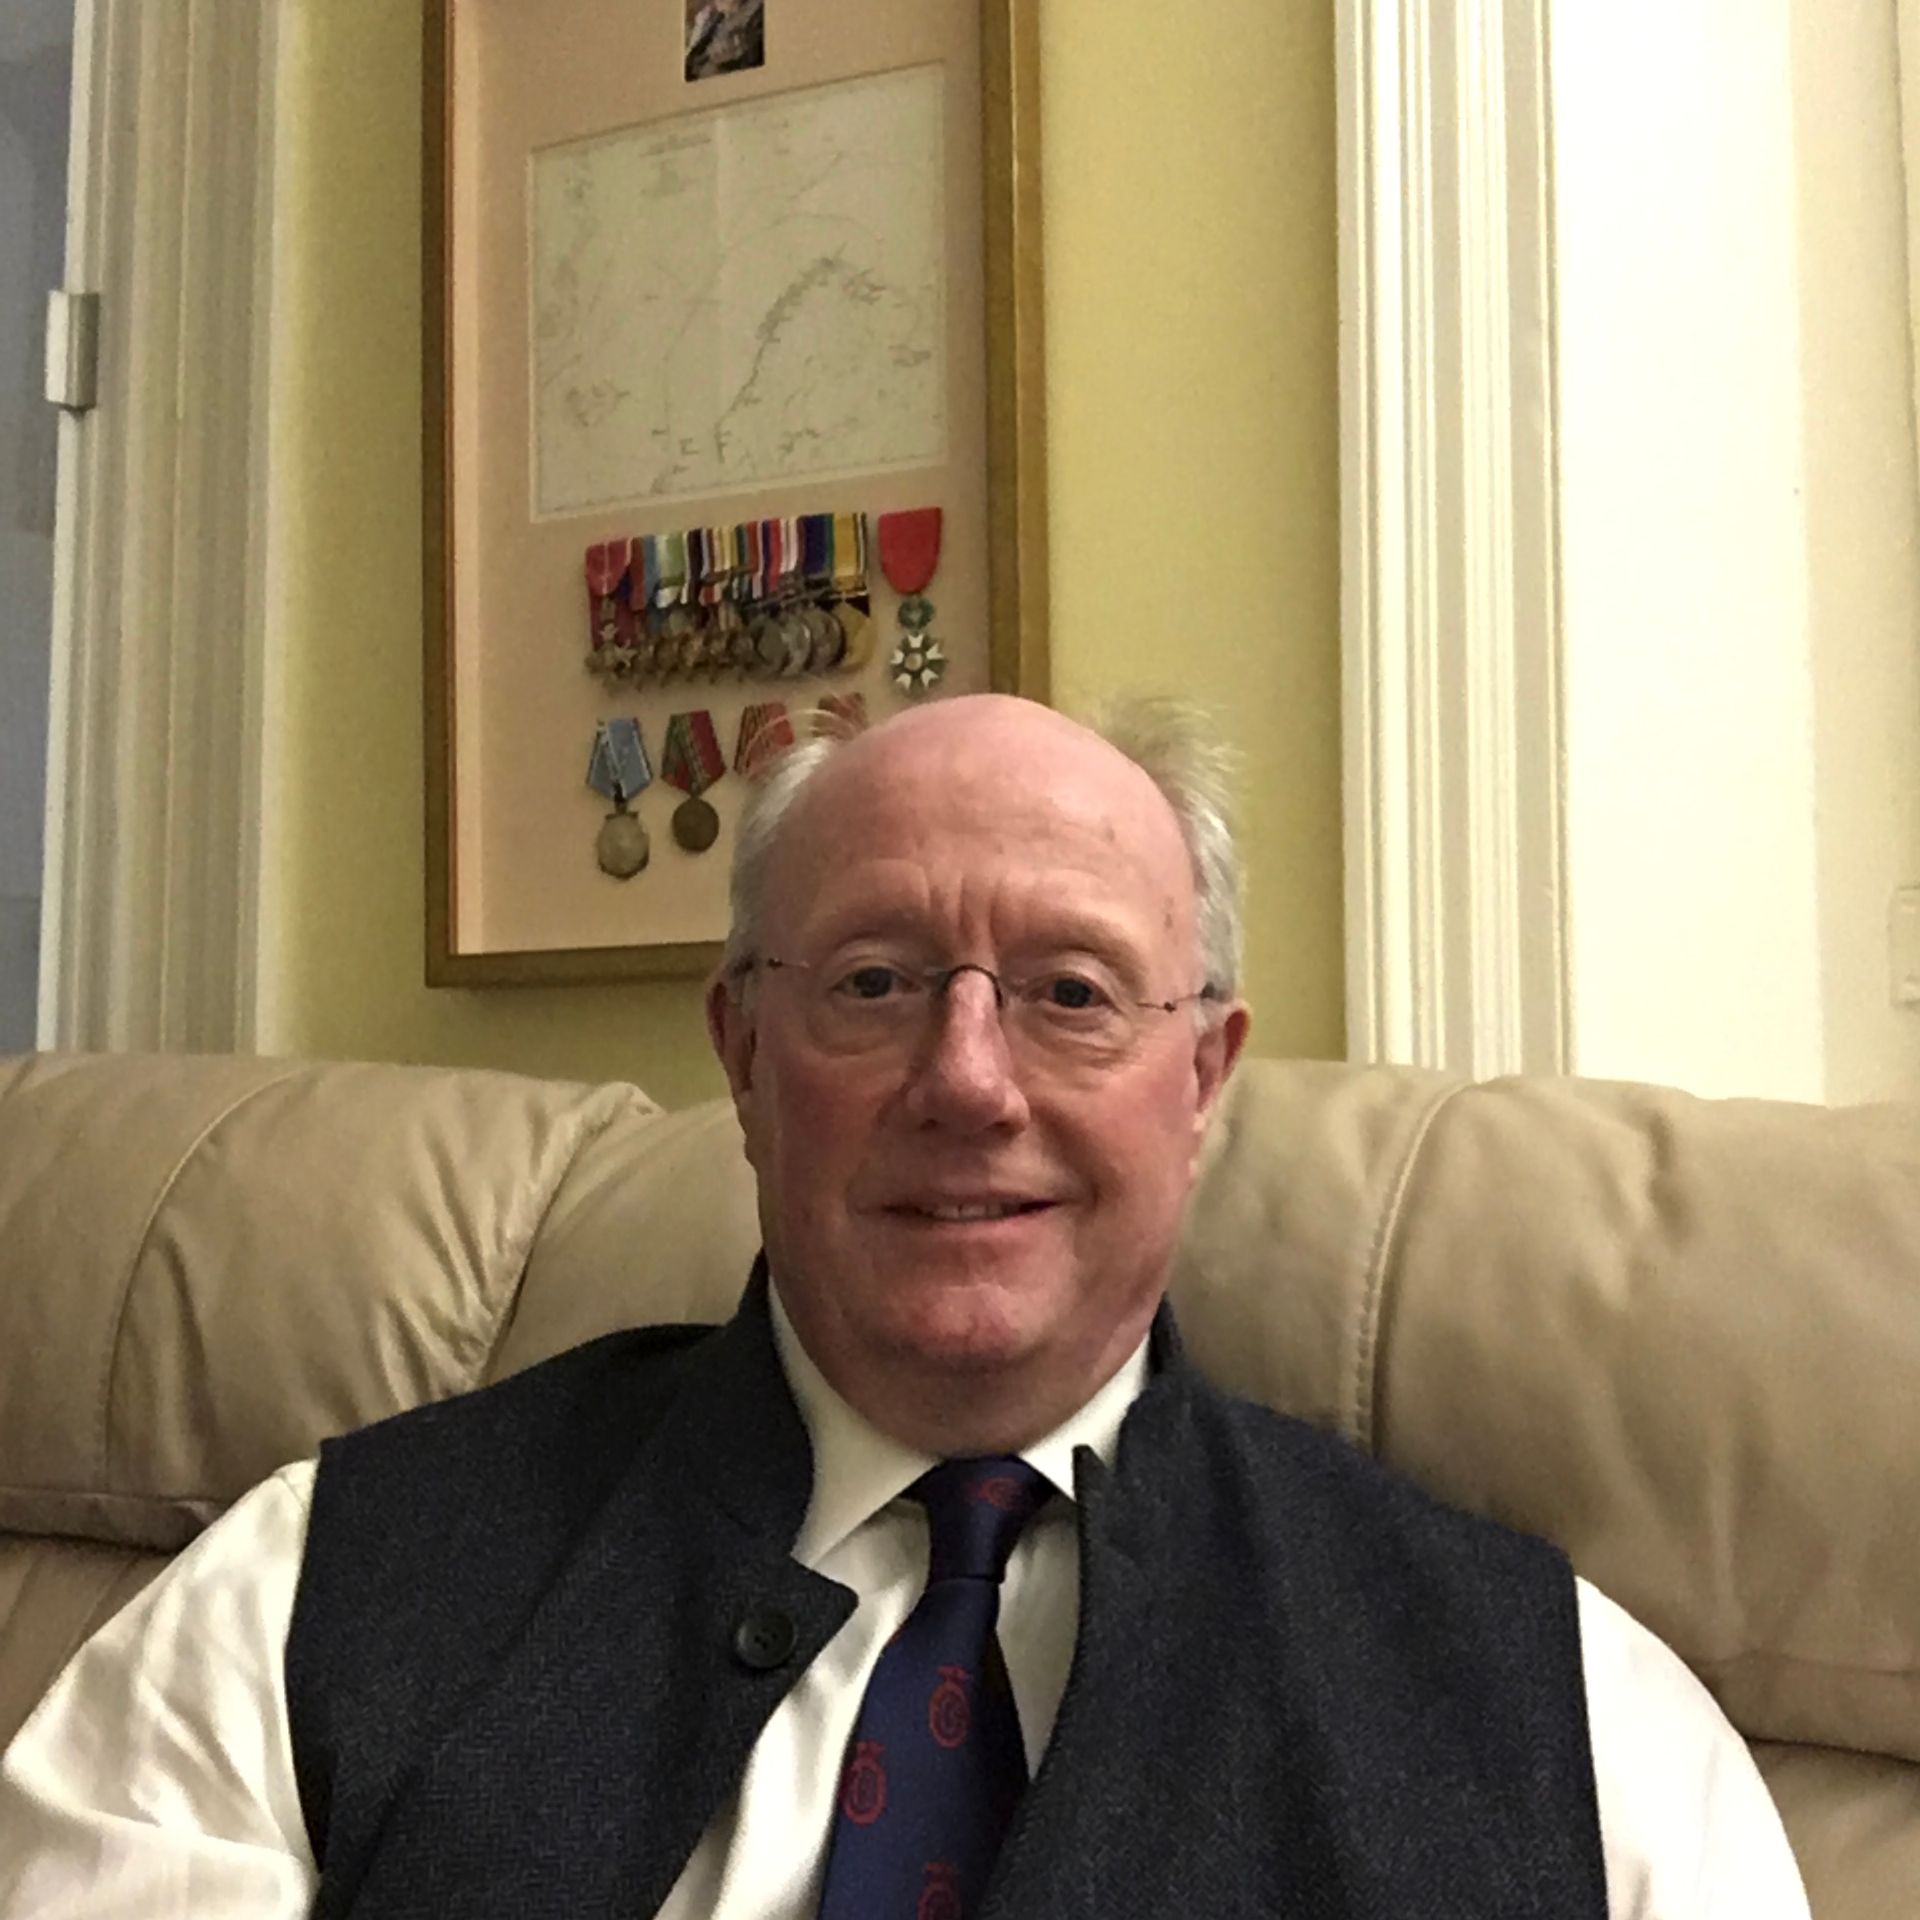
x,y
1191,312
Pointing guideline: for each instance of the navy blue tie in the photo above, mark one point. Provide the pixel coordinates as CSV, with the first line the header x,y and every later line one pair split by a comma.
x,y
936,1764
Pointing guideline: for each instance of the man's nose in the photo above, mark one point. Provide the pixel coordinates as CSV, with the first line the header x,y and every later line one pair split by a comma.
x,y
962,1076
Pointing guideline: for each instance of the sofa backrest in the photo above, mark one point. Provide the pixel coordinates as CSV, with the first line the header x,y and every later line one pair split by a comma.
x,y
1680,1337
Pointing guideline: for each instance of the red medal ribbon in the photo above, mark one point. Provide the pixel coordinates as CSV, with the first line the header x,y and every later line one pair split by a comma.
x,y
691,759
605,564
606,569
765,730
910,548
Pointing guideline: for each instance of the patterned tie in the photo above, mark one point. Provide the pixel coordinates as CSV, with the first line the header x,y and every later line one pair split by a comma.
x,y
936,1763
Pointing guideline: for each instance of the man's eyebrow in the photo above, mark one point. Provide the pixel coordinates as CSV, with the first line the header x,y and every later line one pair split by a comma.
x,y
1074,931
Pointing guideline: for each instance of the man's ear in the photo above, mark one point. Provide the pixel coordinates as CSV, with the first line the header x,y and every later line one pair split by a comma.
x,y
1216,1048
730,1028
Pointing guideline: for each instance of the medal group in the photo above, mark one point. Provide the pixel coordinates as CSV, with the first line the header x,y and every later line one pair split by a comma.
x,y
764,599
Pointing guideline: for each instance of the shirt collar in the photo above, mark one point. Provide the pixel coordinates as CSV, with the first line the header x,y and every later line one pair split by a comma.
x,y
858,1470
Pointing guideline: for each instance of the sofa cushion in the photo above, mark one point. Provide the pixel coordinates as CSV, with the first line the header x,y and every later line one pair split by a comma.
x,y
655,1221
212,1264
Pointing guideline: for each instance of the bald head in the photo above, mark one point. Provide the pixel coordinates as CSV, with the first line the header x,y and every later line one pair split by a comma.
x,y
1005,770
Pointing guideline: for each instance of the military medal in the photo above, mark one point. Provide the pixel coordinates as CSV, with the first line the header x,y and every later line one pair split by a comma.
x,y
850,610
644,580
753,589
601,626
695,601
856,636
825,641
716,578
796,637
917,665
621,845
824,638
799,628
850,555
769,649
691,760
829,637
675,623
724,623
909,554
609,608
765,732
769,636
618,769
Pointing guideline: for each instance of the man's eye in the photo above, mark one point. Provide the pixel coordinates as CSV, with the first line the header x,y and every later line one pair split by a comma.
x,y
874,982
1070,993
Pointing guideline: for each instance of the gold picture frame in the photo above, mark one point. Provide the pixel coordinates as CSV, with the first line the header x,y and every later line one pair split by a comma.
x,y
480,843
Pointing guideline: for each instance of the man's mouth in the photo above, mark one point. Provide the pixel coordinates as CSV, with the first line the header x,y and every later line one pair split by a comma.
x,y
955,1212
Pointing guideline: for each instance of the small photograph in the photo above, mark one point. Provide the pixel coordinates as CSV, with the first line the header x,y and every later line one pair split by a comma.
x,y
725,36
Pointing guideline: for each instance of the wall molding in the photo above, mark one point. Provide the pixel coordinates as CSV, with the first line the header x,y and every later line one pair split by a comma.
x,y
1456,949
155,822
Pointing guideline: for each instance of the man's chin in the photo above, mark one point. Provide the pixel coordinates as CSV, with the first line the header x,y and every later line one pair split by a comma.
x,y
963,1323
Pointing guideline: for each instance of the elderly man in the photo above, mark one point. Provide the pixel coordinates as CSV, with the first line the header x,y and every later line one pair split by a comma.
x,y
936,1583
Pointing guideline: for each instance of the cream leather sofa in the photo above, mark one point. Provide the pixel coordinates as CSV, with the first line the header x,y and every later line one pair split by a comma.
x,y
1682,1338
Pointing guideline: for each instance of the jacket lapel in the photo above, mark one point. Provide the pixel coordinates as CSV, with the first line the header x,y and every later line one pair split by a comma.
x,y
1047,1863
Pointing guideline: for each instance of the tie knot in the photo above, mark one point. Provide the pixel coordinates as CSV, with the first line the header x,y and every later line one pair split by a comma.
x,y
975,1511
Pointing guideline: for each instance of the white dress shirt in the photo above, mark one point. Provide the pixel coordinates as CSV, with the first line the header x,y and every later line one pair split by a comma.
x,y
155,1779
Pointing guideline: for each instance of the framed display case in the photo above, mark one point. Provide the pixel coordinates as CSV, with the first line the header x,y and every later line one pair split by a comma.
x,y
733,416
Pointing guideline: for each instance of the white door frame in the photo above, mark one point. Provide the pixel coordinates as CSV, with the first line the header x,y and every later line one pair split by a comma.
x,y
1456,948
156,817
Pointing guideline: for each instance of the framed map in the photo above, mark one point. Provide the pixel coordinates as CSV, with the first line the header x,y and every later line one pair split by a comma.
x,y
702,336
743,297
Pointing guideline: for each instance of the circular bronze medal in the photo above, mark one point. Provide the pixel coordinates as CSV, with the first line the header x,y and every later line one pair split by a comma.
x,y
695,825
856,646
621,847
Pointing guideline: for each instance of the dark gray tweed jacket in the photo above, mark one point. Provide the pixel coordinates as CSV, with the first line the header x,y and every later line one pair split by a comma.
x,y
540,1627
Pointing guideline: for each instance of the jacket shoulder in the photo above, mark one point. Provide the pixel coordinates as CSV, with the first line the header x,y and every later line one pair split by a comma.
x,y
544,1446
633,1368
1291,1473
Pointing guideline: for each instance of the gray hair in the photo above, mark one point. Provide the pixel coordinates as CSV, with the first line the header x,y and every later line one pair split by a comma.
x,y
1174,743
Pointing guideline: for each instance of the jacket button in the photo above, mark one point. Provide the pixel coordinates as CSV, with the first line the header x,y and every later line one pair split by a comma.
x,y
764,1639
